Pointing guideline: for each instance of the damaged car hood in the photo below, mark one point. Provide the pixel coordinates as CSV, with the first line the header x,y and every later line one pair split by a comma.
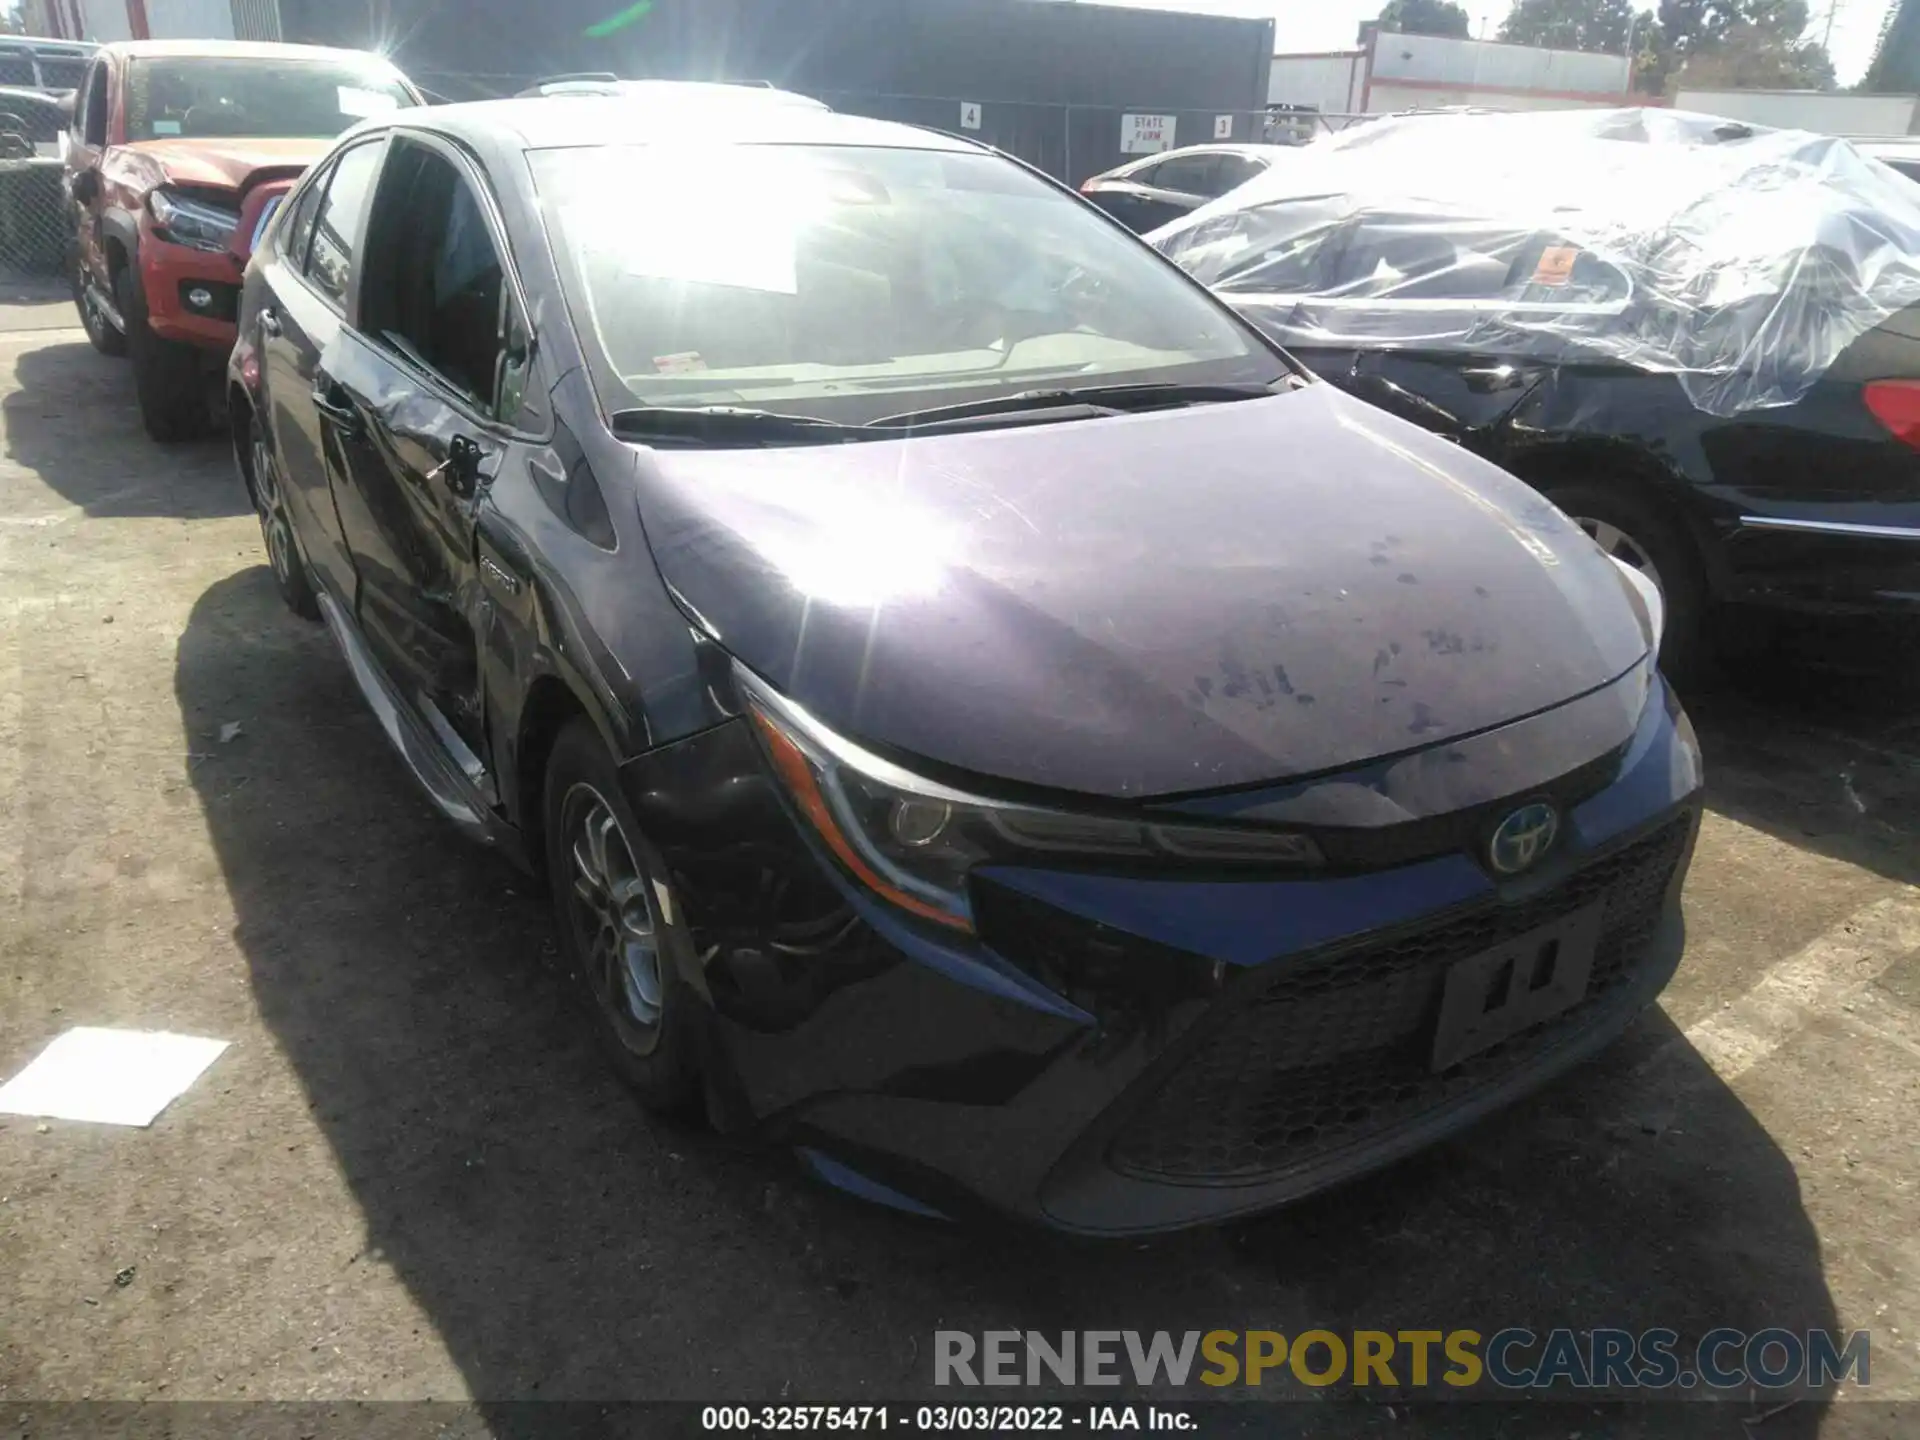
x,y
1144,605
222,162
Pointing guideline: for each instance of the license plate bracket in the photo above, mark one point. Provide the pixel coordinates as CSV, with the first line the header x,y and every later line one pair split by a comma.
x,y
1503,990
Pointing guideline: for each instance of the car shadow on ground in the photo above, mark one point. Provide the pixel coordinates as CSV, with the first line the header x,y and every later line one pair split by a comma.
x,y
1814,737
74,422
564,1246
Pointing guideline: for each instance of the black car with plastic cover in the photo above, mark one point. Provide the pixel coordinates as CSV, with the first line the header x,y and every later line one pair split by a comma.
x,y
859,577
1701,339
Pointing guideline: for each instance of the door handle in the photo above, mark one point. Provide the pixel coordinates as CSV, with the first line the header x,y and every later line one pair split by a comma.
x,y
269,322
333,409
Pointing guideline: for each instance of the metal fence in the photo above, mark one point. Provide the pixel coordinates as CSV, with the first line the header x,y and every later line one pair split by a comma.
x,y
34,210
1069,142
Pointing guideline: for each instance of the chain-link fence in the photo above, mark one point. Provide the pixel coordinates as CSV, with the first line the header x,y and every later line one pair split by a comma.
x,y
34,211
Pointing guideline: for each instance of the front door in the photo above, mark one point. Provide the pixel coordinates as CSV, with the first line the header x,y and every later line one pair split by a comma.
x,y
416,383
86,141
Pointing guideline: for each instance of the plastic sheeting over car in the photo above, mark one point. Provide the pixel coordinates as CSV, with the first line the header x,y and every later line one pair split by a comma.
x,y
1740,259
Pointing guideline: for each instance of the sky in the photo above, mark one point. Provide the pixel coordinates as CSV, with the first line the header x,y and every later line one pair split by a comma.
x,y
1332,24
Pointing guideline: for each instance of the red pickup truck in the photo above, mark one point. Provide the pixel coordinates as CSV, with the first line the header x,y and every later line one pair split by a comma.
x,y
179,152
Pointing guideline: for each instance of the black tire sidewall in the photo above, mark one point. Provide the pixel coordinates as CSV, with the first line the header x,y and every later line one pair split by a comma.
x,y
296,586
666,1079
166,373
1683,587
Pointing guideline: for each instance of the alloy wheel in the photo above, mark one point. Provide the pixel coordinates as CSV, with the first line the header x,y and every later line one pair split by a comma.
x,y
1622,547
614,920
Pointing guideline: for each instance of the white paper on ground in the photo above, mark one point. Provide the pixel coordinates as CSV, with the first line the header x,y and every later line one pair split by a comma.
x,y
112,1077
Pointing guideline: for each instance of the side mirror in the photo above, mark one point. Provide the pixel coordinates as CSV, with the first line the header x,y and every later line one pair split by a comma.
x,y
86,187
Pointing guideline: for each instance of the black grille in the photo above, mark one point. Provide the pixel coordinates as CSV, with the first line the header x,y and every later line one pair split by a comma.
x,y
1334,1052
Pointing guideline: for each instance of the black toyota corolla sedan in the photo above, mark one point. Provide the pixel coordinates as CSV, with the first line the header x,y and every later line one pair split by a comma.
x,y
988,719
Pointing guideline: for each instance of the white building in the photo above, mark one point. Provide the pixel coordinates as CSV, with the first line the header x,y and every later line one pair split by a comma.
x,y
1390,72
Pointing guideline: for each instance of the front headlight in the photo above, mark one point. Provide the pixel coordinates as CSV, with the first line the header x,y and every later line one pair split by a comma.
x,y
1653,609
196,223
912,841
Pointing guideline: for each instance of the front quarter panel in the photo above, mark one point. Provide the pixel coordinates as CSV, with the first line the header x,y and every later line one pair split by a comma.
x,y
570,592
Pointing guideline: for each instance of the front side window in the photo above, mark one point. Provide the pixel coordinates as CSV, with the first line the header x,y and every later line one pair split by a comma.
x,y
94,112
338,221
257,98
435,287
852,283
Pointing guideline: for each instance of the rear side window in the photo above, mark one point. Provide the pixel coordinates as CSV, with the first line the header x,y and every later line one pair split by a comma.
x,y
436,287
16,68
339,219
1235,171
296,234
1190,175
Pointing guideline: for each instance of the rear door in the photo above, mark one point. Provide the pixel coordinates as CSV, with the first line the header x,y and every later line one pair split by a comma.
x,y
306,271
424,391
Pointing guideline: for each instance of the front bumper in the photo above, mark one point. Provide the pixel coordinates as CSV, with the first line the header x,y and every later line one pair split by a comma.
x,y
1193,1082
170,273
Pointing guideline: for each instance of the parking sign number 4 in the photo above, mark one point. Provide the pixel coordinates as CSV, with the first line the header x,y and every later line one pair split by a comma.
x,y
969,115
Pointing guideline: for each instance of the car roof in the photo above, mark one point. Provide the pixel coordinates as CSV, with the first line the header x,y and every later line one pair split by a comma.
x,y
1218,147
574,87
240,49
543,123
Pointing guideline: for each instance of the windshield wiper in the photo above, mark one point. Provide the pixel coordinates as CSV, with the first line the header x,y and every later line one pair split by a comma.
x,y
699,423
1097,399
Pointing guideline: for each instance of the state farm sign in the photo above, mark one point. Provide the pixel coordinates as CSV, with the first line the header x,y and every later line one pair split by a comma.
x,y
1145,134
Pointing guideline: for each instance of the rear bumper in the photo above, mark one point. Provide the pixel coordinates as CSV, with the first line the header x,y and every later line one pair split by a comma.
x,y
1157,1095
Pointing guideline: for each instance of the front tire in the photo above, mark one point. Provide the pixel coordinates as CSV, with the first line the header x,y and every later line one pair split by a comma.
x,y
167,375
607,910
276,525
1637,535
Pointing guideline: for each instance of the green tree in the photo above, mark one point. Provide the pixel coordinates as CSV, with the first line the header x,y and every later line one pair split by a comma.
x,y
1425,17
1598,26
1732,44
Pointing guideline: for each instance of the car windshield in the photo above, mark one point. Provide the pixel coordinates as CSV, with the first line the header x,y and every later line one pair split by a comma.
x,y
255,97
850,283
